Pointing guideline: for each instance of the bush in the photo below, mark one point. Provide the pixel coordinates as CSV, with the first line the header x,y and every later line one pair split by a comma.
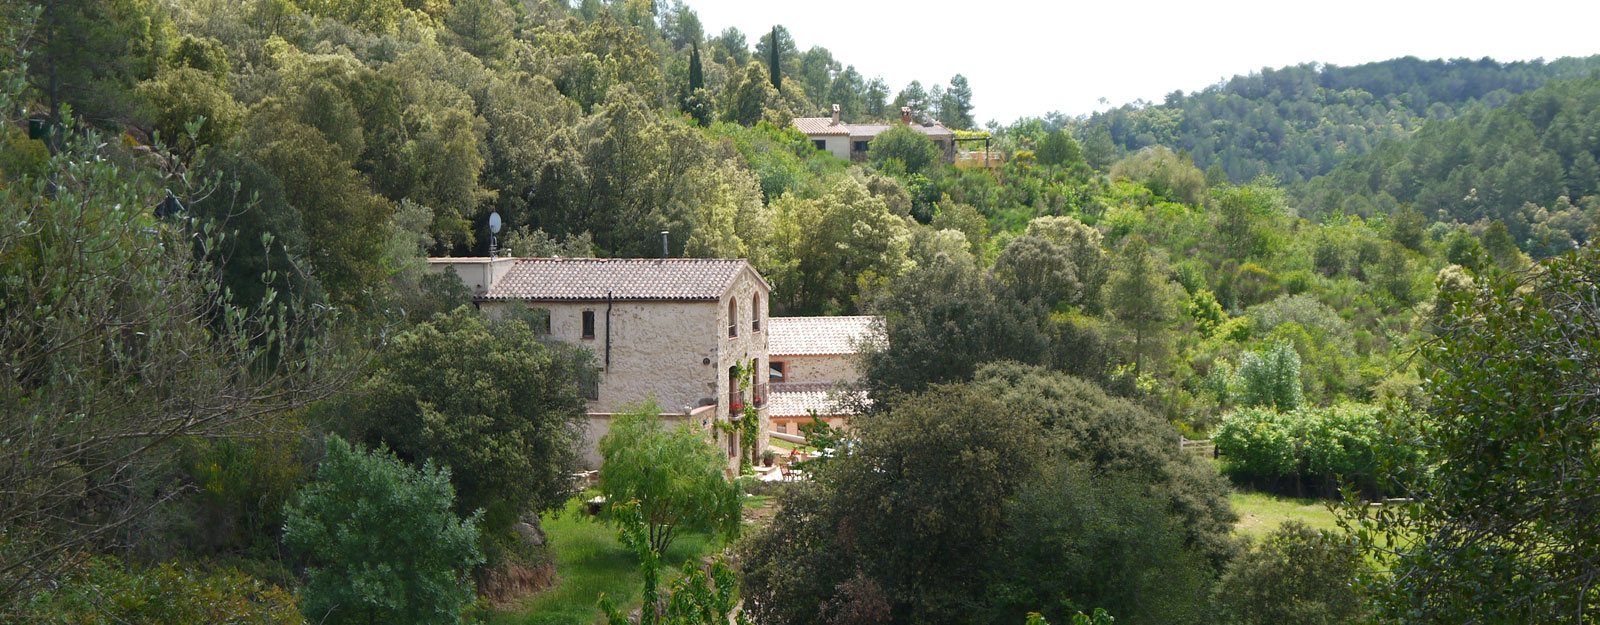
x,y
382,541
1341,444
103,590
1294,577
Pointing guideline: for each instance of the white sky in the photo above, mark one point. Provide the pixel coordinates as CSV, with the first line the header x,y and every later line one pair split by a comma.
x,y
1031,57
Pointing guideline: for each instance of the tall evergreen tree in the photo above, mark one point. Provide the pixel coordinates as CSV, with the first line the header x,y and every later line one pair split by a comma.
x,y
774,58
697,77
955,111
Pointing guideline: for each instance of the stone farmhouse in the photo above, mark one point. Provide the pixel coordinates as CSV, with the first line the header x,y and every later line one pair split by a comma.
x,y
849,141
672,329
812,361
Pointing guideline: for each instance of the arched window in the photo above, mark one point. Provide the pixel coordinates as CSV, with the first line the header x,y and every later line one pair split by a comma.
x,y
755,312
733,317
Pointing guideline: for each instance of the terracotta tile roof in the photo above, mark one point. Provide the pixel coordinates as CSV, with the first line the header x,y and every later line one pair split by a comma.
x,y
589,279
818,336
820,126
824,126
799,399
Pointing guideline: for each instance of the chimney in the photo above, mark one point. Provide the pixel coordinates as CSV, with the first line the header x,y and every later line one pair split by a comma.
x,y
663,243
905,115
835,113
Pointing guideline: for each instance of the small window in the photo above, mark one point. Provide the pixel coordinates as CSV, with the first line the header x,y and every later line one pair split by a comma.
x,y
776,371
821,144
783,428
733,318
588,324
860,146
755,313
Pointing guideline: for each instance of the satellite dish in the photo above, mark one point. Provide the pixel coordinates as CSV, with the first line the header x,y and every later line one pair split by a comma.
x,y
494,223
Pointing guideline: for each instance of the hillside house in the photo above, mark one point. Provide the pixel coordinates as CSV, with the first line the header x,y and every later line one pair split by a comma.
x,y
850,141
671,329
812,359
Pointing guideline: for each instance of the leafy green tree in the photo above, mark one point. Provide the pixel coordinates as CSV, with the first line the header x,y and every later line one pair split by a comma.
x,y
913,96
672,474
1059,149
342,218
1500,247
89,54
817,68
1504,533
481,27
1116,439
1294,577
836,243
1142,298
906,516
1242,218
1270,378
185,96
955,111
1082,244
1032,267
913,151
489,399
1074,538
1099,150
944,320
1164,172
383,543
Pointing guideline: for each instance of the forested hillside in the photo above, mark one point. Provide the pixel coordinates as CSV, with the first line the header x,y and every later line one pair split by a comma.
x,y
1530,165
1295,123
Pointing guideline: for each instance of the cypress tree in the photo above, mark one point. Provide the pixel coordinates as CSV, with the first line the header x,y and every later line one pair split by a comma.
x,y
772,61
697,79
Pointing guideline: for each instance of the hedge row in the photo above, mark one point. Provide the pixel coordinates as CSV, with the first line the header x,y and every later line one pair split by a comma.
x,y
1325,447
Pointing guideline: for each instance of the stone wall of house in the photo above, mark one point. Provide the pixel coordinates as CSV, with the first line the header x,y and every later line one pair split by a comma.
x,y
664,351
835,368
747,293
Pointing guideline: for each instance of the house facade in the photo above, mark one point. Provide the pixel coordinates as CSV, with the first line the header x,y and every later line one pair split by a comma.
x,y
850,141
812,362
675,331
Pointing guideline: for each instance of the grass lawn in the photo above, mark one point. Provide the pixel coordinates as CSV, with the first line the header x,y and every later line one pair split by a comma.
x,y
1261,513
591,560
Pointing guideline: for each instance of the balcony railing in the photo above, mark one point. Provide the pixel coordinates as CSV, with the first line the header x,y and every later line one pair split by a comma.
x,y
737,397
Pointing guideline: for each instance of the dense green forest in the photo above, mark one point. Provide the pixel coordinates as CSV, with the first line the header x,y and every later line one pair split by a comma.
x,y
1296,123
235,389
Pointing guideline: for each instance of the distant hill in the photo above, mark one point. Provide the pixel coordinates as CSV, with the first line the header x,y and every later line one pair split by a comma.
x,y
1299,122
1513,164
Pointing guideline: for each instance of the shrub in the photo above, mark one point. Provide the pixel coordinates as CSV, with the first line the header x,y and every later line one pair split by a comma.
x,y
103,590
1341,444
382,540
1294,577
